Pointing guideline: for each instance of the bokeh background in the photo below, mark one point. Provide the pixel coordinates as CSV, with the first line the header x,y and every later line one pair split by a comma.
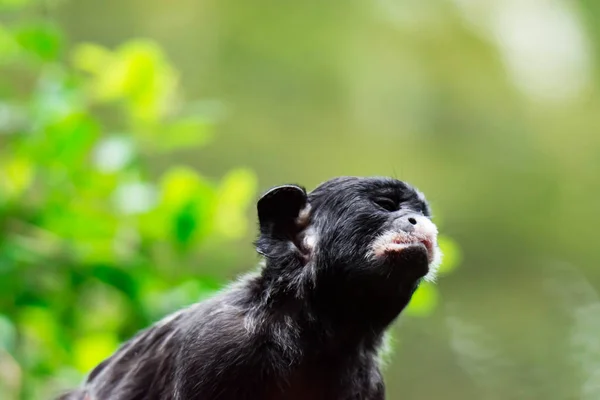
x,y
136,135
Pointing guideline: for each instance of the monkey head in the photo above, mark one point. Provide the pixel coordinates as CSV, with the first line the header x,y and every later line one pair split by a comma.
x,y
351,242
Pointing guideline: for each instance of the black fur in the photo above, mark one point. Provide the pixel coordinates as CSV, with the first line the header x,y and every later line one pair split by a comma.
x,y
307,326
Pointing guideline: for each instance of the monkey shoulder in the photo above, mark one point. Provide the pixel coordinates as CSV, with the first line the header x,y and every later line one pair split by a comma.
x,y
232,349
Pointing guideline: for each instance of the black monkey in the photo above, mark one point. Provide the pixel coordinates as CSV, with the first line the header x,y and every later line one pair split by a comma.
x,y
340,264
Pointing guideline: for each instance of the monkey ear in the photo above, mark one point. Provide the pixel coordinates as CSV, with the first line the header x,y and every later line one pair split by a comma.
x,y
279,207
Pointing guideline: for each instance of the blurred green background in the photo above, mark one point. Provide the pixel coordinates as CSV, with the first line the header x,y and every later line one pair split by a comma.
x,y
135,136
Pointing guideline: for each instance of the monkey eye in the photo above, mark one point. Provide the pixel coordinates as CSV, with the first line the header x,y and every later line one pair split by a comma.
x,y
386,204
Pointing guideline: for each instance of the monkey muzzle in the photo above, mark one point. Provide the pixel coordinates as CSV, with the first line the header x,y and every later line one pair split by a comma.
x,y
408,231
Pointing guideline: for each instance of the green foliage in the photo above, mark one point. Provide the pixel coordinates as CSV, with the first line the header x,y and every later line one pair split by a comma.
x,y
93,245
41,40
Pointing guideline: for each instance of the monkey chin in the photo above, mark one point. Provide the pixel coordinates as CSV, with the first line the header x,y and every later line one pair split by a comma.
x,y
411,259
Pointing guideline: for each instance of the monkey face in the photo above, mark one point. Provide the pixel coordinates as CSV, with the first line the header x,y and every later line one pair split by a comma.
x,y
374,225
358,232
409,233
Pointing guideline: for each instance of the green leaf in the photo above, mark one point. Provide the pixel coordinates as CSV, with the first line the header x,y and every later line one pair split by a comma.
x,y
137,72
93,315
185,223
452,255
17,176
423,301
186,206
39,325
149,80
178,185
117,278
90,350
91,57
9,47
69,140
235,194
43,40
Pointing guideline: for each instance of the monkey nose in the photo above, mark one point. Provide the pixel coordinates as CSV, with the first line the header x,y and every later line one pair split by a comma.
x,y
408,223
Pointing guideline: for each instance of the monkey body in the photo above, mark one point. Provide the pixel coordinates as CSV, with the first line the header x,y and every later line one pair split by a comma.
x,y
340,265
225,348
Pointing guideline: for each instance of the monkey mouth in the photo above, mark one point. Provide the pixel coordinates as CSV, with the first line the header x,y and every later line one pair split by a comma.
x,y
397,242
399,245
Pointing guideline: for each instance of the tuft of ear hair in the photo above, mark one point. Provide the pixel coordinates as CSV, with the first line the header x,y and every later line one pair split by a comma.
x,y
278,209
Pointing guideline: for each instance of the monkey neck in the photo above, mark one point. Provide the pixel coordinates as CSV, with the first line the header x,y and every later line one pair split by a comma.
x,y
329,311
365,311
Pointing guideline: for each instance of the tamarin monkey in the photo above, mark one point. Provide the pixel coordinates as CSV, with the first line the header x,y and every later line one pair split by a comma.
x,y
340,264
